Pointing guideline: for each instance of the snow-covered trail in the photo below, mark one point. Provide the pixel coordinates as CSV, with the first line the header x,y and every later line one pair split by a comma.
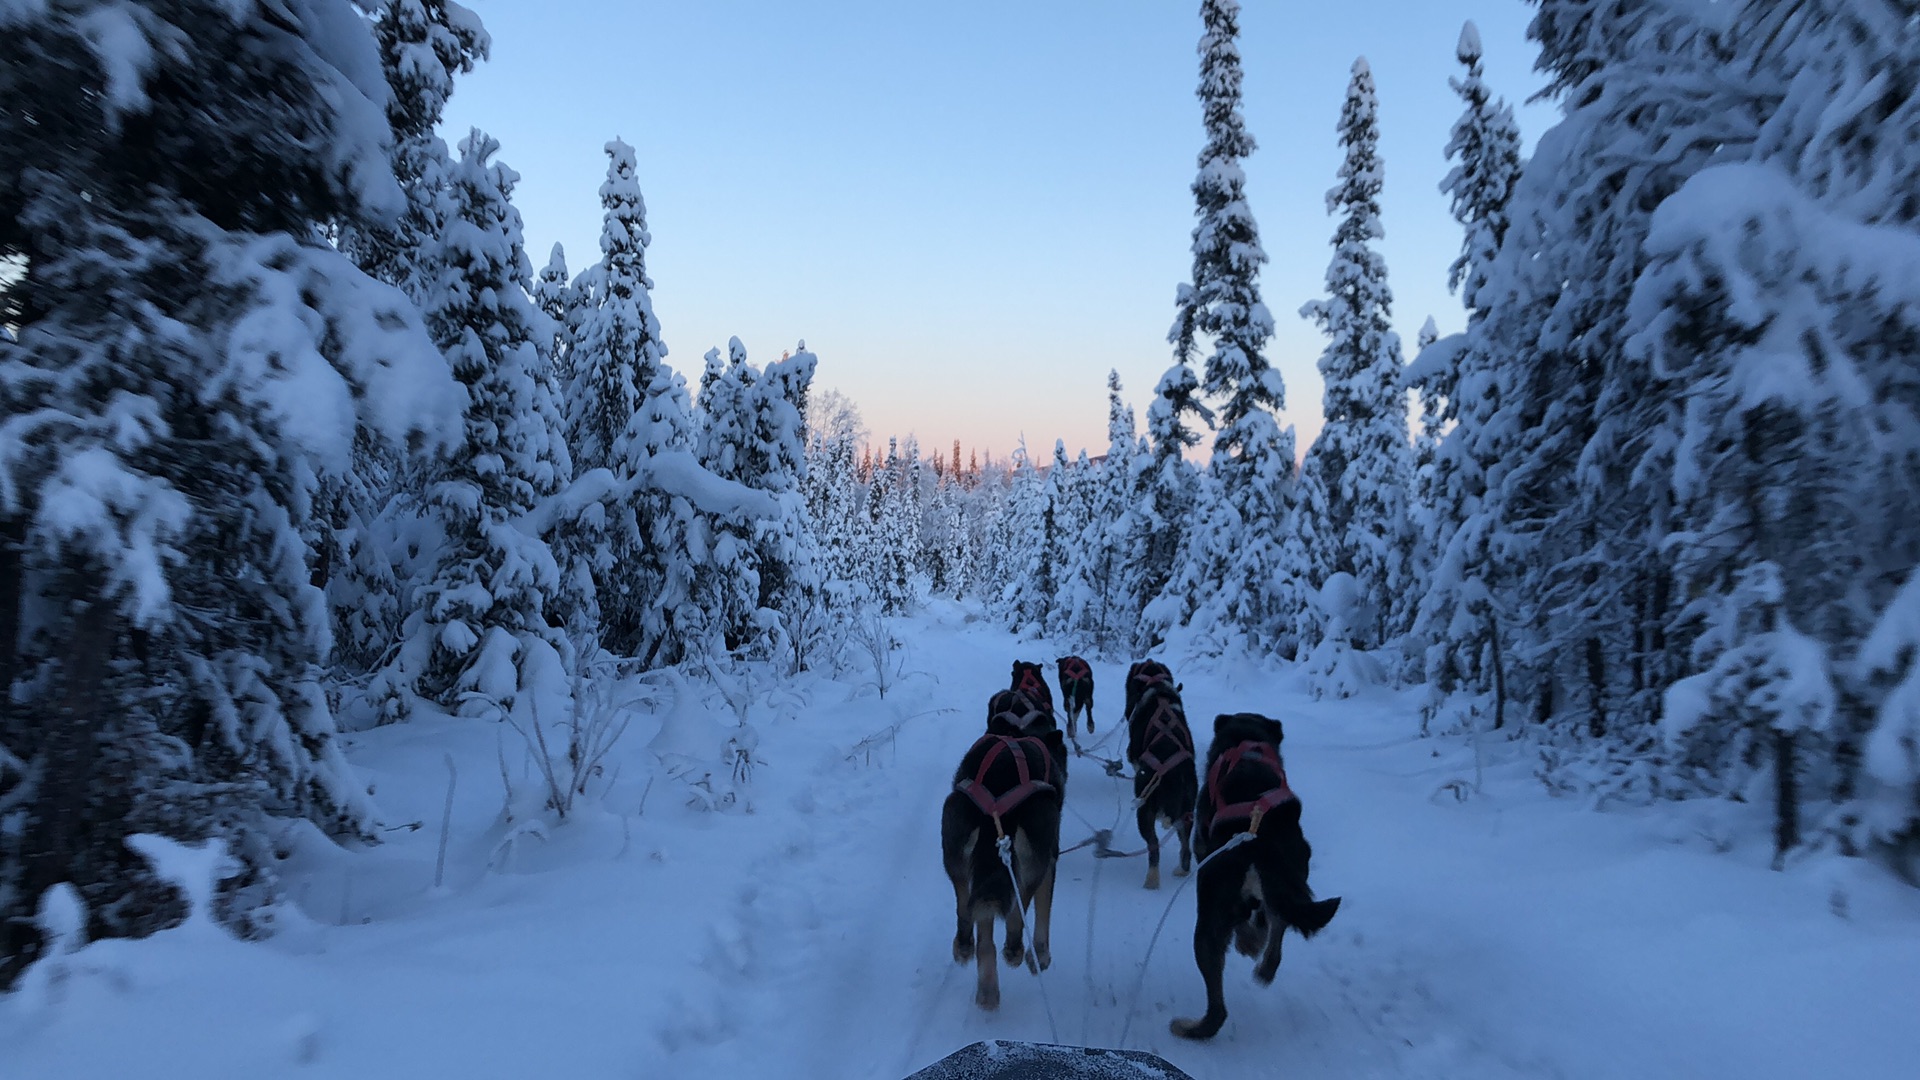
x,y
806,934
1504,936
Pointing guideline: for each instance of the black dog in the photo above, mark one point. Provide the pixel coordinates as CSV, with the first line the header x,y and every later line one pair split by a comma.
x,y
1076,691
1015,712
1140,676
1253,892
1010,783
1165,785
1031,680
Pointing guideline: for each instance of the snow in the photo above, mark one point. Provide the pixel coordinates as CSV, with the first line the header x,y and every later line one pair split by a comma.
x,y
803,931
1469,48
120,44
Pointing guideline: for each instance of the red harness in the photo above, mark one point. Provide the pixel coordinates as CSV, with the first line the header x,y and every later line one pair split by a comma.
x,y
1023,719
1251,812
996,805
1035,686
1159,728
1074,669
1146,681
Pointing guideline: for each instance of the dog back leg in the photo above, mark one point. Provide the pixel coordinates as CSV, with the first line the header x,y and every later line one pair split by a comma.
x,y
1043,918
1212,928
1288,903
1146,820
1186,842
958,874
1269,964
958,835
1015,949
986,991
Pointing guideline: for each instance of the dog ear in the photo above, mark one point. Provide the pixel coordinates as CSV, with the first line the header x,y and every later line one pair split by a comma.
x,y
1273,726
1221,723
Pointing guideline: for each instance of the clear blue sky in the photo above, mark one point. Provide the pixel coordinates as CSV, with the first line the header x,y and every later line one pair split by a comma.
x,y
972,211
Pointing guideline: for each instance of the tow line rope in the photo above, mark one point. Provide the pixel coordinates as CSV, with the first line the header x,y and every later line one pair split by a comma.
x,y
1134,1005
1005,847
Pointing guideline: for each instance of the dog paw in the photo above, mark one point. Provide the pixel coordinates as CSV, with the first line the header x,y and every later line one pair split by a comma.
x,y
1043,956
1263,974
1015,954
1181,870
987,997
962,950
1153,878
1196,1029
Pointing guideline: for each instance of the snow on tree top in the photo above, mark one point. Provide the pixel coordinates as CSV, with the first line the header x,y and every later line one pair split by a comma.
x,y
1340,594
1469,49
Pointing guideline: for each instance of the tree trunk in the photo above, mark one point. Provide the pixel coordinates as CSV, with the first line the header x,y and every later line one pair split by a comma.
x,y
1499,674
1786,828
1597,687
60,834
12,593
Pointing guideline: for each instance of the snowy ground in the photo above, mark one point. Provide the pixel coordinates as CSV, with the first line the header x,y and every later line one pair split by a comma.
x,y
806,932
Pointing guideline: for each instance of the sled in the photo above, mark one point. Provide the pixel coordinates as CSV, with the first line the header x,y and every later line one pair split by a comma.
x,y
1003,1060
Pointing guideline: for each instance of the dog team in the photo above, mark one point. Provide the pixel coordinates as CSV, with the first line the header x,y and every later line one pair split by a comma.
x,y
1000,826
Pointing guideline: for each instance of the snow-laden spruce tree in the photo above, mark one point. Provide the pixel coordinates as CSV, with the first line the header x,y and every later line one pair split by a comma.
x,y
1890,663
1485,149
186,360
1236,573
1777,313
725,417
423,44
1454,621
559,301
1068,481
480,630
1556,541
626,408
1100,565
793,589
361,517
1361,463
1165,499
833,499
618,353
942,538
886,556
1020,570
1426,446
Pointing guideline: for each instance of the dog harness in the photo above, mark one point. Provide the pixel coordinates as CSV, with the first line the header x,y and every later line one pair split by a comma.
x,y
1021,712
1145,679
1074,669
1251,812
1162,729
1033,684
994,806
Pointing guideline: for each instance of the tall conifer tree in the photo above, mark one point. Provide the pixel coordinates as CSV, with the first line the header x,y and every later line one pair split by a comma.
x,y
1361,463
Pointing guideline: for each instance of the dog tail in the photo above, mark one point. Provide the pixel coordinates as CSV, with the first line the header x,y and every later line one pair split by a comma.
x,y
992,889
1290,903
1314,918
